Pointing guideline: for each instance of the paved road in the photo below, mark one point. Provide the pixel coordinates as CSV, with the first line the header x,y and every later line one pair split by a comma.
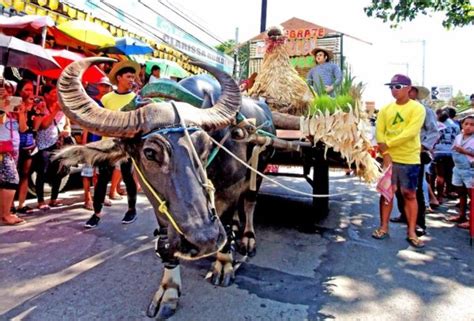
x,y
53,269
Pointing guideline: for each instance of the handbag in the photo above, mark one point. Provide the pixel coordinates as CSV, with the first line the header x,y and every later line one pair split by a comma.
x,y
63,140
6,146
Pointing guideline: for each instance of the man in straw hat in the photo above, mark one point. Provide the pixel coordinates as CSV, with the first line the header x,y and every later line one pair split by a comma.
x,y
326,75
428,136
123,75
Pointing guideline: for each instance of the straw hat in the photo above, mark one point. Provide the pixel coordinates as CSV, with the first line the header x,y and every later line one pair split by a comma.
x,y
328,52
423,92
119,66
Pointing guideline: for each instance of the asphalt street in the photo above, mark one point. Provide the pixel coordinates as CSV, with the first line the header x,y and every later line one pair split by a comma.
x,y
53,269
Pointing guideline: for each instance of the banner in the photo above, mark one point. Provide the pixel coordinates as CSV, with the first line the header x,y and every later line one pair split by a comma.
x,y
442,93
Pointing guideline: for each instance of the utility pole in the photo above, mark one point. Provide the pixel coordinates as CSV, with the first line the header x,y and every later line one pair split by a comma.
x,y
423,43
236,70
263,17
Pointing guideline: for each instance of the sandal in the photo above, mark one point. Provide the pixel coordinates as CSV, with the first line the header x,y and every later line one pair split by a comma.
x,y
115,197
380,234
107,202
415,242
25,210
15,220
88,206
464,225
457,219
55,203
44,207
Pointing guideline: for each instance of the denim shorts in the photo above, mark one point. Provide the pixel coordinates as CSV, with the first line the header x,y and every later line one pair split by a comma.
x,y
405,175
463,177
87,171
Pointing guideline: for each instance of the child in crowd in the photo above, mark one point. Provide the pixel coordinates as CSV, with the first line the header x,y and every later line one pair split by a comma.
x,y
463,173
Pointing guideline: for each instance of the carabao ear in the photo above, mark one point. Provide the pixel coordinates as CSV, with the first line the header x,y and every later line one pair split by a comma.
x,y
96,153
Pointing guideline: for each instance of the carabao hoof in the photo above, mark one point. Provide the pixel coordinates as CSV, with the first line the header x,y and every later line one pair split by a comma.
x,y
248,244
166,311
222,274
163,305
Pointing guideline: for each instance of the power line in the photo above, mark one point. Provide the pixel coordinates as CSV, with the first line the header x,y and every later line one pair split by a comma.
x,y
185,18
136,21
183,15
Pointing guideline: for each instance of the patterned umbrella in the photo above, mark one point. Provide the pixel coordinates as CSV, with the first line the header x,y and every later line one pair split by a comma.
x,y
128,46
21,54
168,68
64,58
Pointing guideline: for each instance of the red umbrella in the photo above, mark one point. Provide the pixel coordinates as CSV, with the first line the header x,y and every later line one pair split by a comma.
x,y
64,58
13,25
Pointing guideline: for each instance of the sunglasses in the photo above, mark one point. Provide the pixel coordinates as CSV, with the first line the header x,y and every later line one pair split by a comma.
x,y
397,86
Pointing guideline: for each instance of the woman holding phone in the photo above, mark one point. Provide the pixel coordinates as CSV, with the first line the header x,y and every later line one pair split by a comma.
x,y
9,144
31,113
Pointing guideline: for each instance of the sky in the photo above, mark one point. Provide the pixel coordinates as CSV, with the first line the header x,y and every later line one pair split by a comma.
x,y
448,54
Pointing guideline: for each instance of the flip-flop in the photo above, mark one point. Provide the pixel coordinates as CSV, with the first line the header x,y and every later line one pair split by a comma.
x,y
464,225
415,242
457,219
88,206
116,197
44,207
380,234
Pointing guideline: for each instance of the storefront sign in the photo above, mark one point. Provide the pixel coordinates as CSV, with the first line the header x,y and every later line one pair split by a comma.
x,y
191,46
305,33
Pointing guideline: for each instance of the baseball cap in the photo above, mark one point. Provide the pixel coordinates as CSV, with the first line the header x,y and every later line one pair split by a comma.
x,y
399,79
104,81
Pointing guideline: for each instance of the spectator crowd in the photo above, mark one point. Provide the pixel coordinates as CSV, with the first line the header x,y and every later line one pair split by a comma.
x,y
429,153
33,128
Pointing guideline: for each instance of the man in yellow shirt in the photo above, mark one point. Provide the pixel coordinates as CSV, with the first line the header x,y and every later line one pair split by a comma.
x,y
398,137
122,75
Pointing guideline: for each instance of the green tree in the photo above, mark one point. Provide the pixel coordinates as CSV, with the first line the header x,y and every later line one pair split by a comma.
x,y
228,47
458,13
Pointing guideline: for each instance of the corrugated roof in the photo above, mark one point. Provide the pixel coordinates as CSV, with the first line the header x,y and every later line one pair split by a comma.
x,y
296,23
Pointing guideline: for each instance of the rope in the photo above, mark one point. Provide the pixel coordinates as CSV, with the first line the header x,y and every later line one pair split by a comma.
x,y
271,179
257,149
162,207
206,183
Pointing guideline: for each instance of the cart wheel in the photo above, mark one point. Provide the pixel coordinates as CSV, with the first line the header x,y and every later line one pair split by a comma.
x,y
47,186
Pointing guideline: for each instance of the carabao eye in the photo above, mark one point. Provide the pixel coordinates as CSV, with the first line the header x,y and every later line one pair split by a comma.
x,y
150,154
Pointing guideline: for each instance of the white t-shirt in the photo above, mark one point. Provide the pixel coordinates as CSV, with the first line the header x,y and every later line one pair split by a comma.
x,y
49,136
152,79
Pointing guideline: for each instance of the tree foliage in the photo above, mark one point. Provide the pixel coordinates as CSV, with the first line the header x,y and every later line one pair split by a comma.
x,y
228,47
458,13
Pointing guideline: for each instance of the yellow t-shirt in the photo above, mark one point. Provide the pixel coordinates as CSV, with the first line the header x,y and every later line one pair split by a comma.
x,y
399,127
115,101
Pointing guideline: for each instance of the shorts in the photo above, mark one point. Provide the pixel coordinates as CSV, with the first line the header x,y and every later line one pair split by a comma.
x,y
405,176
87,171
463,177
9,177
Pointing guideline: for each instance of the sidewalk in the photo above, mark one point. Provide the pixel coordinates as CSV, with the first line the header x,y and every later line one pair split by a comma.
x,y
53,269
